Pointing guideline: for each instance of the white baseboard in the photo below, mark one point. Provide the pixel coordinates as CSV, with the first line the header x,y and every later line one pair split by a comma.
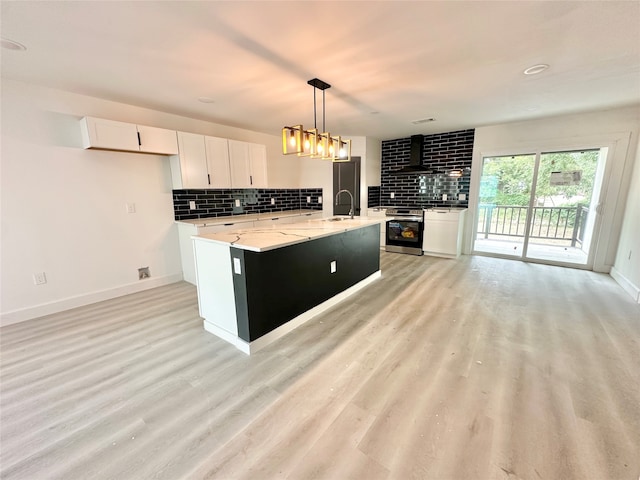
x,y
292,324
20,315
626,284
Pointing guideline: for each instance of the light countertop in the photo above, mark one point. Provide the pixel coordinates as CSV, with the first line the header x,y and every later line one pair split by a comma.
x,y
205,222
277,236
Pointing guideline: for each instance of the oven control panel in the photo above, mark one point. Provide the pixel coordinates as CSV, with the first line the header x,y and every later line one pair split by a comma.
x,y
404,212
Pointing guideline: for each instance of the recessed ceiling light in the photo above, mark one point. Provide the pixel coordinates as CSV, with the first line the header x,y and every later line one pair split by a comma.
x,y
536,69
206,100
423,120
12,45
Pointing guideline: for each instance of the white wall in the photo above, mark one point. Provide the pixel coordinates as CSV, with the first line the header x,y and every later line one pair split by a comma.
x,y
63,208
626,269
618,129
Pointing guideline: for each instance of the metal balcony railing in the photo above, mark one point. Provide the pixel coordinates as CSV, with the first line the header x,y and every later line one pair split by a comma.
x,y
554,223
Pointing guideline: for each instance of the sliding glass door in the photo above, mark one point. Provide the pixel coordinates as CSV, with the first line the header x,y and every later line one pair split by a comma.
x,y
541,206
505,192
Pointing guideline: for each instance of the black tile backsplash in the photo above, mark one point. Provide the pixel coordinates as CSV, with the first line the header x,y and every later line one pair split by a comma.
x,y
221,202
442,152
373,196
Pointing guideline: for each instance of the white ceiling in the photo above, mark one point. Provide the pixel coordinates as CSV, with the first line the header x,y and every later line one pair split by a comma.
x,y
389,62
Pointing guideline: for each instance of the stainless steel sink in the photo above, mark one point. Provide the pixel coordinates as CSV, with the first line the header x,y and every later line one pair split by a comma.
x,y
336,219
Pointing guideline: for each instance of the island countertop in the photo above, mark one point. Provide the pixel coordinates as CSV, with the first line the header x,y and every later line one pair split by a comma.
x,y
277,236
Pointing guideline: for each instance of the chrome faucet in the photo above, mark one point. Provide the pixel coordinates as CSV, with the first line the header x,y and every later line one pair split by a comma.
x,y
350,195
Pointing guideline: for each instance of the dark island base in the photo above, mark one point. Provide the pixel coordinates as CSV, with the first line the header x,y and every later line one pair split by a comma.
x,y
278,285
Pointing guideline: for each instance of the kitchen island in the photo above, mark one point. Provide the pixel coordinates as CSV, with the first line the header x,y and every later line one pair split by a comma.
x,y
257,284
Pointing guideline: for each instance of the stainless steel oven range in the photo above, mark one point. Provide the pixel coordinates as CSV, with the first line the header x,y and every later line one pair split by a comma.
x,y
405,228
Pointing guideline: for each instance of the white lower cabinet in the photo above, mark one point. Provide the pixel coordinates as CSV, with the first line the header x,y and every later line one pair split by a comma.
x,y
443,232
381,214
312,216
186,231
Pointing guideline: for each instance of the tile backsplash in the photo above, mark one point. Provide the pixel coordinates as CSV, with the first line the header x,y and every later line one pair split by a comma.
x,y
373,196
222,202
441,152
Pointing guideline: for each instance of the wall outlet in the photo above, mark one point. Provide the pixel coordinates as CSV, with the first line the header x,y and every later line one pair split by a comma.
x,y
131,208
39,278
237,203
308,199
444,196
143,273
192,204
273,201
320,199
393,195
333,267
462,196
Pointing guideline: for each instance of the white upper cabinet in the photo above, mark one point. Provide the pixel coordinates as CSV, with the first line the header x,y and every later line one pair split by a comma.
x,y
109,134
189,168
217,150
258,164
113,135
203,162
157,140
248,163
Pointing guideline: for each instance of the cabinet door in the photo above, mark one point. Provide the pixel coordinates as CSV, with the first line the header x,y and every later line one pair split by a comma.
x,y
240,164
311,216
226,227
258,165
441,236
109,134
193,161
217,150
157,140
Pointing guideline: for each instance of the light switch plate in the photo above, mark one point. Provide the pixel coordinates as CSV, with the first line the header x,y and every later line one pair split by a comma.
x,y
393,195
333,266
462,196
273,201
236,266
308,199
319,199
192,204
131,208
444,196
237,203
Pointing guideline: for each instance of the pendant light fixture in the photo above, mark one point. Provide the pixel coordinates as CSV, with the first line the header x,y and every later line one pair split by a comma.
x,y
310,143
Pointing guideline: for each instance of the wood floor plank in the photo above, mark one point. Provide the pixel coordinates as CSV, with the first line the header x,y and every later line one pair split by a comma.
x,y
476,368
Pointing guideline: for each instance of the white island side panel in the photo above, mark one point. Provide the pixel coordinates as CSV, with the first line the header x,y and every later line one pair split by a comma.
x,y
214,274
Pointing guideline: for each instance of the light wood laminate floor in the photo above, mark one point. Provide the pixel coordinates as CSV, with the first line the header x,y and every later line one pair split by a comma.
x,y
476,368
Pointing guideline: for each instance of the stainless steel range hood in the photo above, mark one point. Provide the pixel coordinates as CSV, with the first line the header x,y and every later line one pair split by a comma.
x,y
415,166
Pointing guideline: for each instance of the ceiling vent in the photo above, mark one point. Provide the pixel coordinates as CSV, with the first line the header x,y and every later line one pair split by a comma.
x,y
423,120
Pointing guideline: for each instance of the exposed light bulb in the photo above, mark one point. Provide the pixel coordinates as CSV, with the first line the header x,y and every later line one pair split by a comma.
x,y
292,140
